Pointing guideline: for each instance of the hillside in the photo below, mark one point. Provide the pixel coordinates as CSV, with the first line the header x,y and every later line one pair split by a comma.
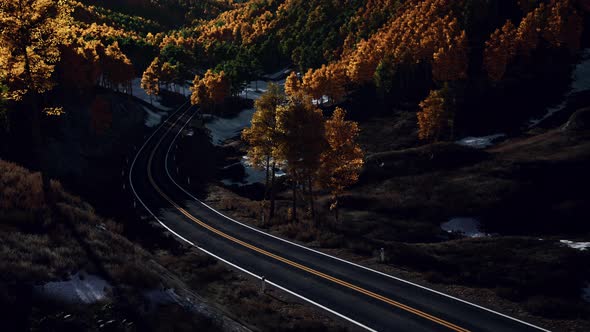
x,y
64,268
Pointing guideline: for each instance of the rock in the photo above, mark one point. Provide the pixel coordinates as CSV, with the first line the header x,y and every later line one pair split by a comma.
x,y
579,121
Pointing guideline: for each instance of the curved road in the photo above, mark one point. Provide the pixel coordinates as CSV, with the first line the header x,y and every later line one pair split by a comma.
x,y
369,299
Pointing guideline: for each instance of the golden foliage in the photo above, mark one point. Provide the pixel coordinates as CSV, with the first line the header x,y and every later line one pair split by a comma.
x,y
210,90
150,80
431,115
30,34
292,84
564,25
342,161
499,51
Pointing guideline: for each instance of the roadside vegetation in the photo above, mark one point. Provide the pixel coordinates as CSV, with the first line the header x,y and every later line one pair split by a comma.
x,y
41,244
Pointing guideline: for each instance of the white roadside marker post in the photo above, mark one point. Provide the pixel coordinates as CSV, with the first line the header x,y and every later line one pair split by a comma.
x,y
188,180
382,255
262,285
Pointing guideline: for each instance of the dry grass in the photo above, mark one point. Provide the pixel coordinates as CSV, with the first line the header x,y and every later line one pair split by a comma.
x,y
240,296
39,243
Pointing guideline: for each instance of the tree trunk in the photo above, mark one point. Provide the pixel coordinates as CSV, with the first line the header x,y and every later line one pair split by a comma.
x,y
336,211
294,207
36,134
311,198
267,177
271,213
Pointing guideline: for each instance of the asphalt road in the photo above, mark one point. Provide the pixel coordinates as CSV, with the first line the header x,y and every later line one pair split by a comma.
x,y
369,299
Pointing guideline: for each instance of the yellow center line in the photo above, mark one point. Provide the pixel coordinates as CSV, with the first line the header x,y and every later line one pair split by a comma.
x,y
289,262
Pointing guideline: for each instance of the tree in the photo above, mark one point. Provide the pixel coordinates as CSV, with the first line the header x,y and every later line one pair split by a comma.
x,y
301,129
450,63
499,51
30,35
118,69
211,90
218,86
264,140
199,94
432,115
342,161
564,25
292,84
150,80
81,63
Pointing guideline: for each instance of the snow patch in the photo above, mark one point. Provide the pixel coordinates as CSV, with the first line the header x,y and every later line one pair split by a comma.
x,y
480,142
255,89
152,118
586,293
225,128
576,245
324,100
138,92
469,227
79,289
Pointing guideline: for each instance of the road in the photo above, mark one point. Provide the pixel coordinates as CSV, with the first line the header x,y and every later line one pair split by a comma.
x,y
369,299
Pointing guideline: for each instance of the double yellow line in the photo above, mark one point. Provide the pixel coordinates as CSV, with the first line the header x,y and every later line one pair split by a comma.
x,y
290,262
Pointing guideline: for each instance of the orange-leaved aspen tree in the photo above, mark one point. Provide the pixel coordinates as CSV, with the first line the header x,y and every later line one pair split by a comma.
x,y
564,25
150,80
529,30
218,86
363,63
211,90
301,128
264,140
450,62
342,160
81,64
432,116
118,69
31,32
499,51
292,84
199,95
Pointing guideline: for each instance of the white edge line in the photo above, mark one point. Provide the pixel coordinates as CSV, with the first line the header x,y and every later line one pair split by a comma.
x,y
213,255
334,257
